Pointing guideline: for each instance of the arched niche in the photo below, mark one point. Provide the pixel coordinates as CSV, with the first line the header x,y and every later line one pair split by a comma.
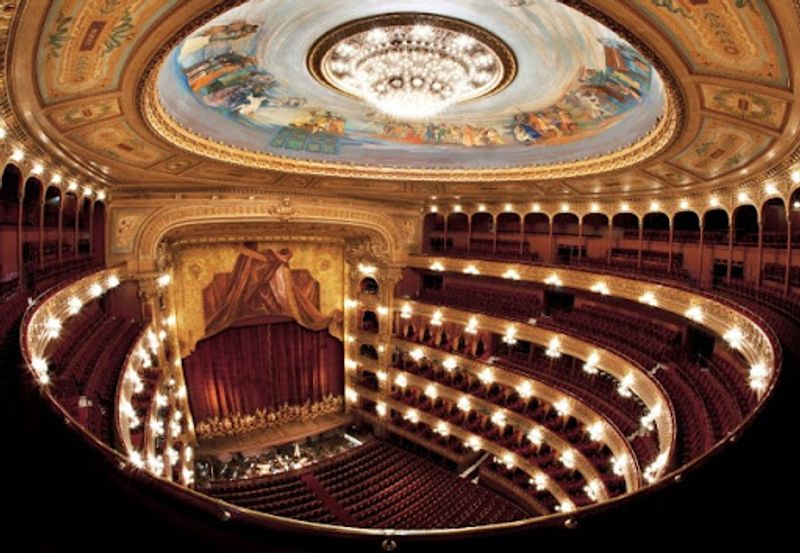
x,y
536,223
509,223
31,216
9,221
482,222
686,227
565,224
68,221
745,225
625,221
482,240
536,230
31,203
432,229
52,208
595,225
368,285
368,351
715,226
509,234
84,226
457,222
794,216
9,196
624,225
773,220
98,231
369,321
457,231
655,227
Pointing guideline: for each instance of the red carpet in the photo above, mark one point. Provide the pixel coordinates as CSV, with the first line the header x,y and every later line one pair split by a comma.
x,y
328,500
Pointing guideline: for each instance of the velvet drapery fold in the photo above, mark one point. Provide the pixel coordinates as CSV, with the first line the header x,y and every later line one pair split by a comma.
x,y
262,285
246,368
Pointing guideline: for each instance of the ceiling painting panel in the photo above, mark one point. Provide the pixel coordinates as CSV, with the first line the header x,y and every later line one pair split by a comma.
x,y
84,44
744,104
720,148
671,175
580,91
72,116
737,39
117,141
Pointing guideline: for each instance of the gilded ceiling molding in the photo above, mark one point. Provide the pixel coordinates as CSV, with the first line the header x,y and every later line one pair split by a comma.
x,y
13,22
727,200
388,237
173,132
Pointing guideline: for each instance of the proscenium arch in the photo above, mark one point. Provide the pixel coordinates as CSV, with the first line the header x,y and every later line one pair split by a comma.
x,y
389,238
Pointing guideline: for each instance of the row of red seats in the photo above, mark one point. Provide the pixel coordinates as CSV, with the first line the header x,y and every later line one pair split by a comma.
x,y
542,456
514,439
587,324
724,412
519,303
405,491
736,381
86,361
565,373
597,390
284,495
78,368
695,434
768,296
41,278
630,268
633,323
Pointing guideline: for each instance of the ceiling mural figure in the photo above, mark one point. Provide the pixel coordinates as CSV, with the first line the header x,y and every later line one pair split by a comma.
x,y
556,86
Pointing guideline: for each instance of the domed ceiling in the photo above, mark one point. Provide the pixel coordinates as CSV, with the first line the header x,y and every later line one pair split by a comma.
x,y
570,88
217,97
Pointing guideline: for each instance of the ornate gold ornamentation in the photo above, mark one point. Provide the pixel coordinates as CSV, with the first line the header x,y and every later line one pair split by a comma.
x,y
239,423
380,227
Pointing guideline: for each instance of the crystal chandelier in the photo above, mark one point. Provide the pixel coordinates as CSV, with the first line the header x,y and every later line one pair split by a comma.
x,y
412,66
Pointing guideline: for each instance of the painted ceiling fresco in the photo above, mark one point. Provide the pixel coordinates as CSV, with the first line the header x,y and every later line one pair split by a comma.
x,y
580,91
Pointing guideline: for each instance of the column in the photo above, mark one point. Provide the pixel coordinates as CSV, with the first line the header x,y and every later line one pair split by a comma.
x,y
610,238
494,239
388,279
61,223
20,266
669,247
787,285
550,241
469,234
580,237
760,261
350,327
77,227
91,234
641,244
731,227
521,235
41,228
700,272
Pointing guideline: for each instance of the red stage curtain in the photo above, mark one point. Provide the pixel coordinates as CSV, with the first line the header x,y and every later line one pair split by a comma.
x,y
243,369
